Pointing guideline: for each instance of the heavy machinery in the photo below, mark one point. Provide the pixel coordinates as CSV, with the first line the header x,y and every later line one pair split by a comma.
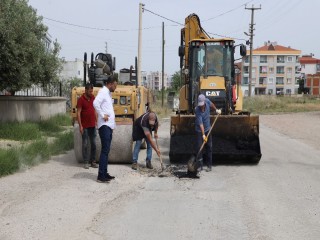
x,y
236,132
129,102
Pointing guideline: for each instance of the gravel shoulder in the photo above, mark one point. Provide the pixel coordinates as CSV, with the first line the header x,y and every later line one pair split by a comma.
x,y
302,126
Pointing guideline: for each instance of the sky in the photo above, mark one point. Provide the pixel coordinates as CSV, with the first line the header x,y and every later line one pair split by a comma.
x,y
89,26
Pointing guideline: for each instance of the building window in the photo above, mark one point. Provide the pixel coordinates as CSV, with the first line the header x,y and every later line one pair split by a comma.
x,y
245,80
318,67
280,59
279,80
289,80
297,81
279,91
270,80
262,80
245,69
271,69
270,91
79,73
253,80
290,59
246,59
254,59
289,70
298,69
263,59
263,69
288,91
253,70
280,70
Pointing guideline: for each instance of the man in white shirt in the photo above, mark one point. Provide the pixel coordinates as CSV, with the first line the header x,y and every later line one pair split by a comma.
x,y
106,123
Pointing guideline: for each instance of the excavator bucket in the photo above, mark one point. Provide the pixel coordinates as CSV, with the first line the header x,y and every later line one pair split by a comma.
x,y
235,139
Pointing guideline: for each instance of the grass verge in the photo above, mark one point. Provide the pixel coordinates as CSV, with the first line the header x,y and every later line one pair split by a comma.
x,y
39,149
281,104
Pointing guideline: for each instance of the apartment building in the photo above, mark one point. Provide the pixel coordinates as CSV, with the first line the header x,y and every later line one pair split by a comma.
x,y
275,70
154,81
310,72
309,65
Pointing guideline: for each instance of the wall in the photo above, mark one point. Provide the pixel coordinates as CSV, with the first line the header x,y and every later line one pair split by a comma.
x,y
313,82
30,108
72,69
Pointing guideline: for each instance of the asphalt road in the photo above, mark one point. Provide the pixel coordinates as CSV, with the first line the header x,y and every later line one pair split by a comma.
x,y
277,199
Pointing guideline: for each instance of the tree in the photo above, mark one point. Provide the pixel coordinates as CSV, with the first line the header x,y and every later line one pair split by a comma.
x,y
24,58
176,81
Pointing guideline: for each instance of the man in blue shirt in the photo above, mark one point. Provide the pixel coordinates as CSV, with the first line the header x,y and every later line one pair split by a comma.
x,y
203,126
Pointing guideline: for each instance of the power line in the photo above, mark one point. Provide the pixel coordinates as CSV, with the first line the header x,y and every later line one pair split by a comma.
x,y
95,28
228,11
162,17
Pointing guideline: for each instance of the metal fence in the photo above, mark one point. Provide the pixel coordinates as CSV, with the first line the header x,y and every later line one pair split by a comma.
x,y
40,90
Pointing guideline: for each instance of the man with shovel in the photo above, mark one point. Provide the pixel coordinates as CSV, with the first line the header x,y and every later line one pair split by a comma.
x,y
203,125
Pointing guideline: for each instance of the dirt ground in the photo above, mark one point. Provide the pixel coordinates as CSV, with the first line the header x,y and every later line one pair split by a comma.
x,y
302,126
277,199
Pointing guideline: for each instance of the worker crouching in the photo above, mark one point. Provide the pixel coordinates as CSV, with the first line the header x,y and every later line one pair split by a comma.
x,y
142,129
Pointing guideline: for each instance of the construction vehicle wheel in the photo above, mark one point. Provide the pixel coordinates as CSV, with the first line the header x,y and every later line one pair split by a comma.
x,y
121,145
78,144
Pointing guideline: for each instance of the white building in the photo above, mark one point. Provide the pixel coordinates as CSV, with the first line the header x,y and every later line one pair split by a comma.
x,y
309,65
72,69
275,70
154,81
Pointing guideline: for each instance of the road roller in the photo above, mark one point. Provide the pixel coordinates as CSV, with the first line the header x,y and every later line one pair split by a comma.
x,y
129,101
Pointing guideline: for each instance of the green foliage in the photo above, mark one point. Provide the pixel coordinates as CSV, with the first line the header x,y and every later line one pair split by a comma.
x,y
31,130
274,104
19,132
9,162
62,143
40,149
176,81
24,59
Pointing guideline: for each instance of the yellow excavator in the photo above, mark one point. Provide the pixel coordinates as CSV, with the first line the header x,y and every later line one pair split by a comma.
x,y
130,101
207,67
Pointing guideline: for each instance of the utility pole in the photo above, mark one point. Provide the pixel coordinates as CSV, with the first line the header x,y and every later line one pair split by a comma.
x,y
162,62
141,5
251,29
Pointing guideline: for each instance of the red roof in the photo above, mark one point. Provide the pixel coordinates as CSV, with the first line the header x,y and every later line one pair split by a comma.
x,y
309,60
272,47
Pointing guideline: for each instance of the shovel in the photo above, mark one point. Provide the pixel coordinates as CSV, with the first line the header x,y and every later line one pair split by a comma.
x,y
193,163
162,168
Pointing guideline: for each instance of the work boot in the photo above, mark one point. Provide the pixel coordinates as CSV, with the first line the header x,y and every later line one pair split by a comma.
x,y
94,164
134,166
149,165
86,166
110,177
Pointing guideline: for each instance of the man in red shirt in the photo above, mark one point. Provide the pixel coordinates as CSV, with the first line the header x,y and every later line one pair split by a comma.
x,y
87,125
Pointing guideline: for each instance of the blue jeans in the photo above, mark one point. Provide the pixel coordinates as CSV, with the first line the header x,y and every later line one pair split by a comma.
x,y
136,150
89,134
206,152
105,134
